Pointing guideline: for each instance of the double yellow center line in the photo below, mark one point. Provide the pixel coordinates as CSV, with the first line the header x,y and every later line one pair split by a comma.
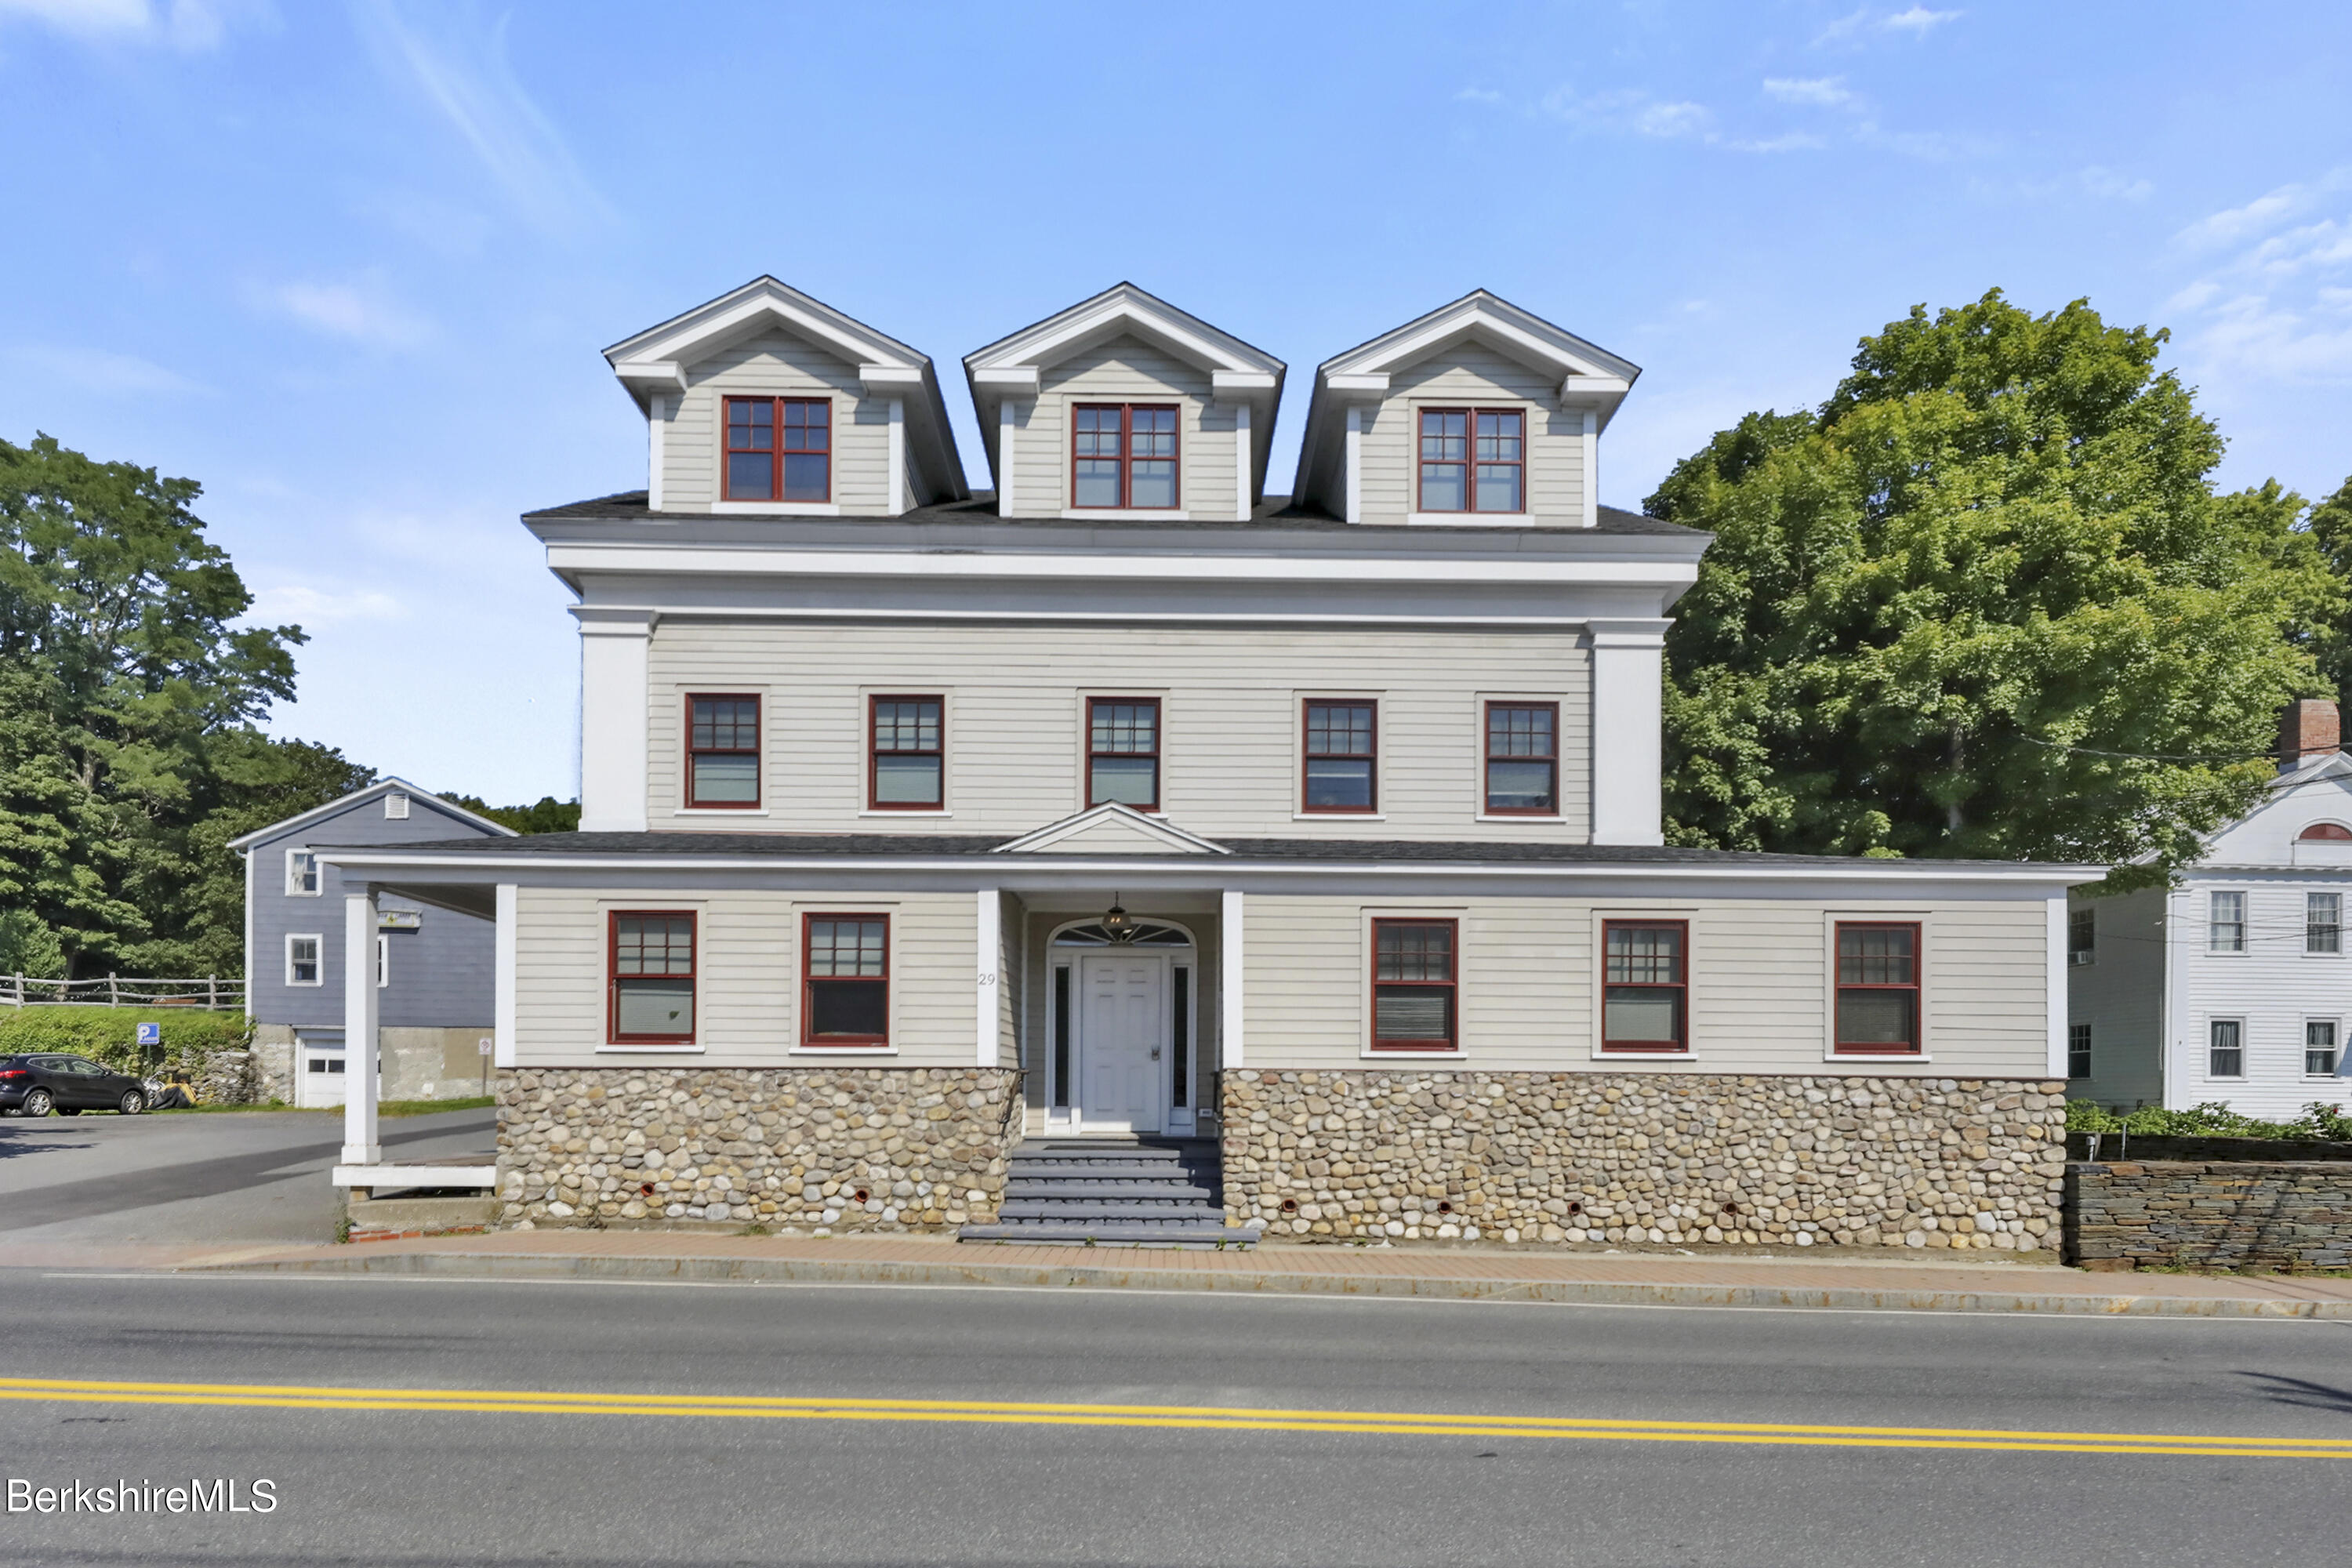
x,y
1190,1417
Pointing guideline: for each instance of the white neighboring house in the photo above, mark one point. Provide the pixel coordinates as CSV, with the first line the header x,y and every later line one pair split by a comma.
x,y
2235,985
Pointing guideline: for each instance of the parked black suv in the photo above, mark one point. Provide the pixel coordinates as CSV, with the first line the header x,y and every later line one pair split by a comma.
x,y
38,1082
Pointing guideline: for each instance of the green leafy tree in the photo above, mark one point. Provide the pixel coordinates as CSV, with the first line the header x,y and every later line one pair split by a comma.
x,y
118,671
2329,527
1936,605
547,814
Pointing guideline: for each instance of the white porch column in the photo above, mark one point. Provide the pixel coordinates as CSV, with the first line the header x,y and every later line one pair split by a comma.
x,y
1229,979
990,946
614,648
1355,465
1241,462
360,1145
1628,709
898,455
502,994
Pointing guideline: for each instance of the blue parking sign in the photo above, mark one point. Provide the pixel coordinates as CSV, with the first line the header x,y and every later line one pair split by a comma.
x,y
151,1033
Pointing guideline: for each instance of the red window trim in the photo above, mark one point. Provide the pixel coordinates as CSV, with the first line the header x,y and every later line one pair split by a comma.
x,y
808,983
1486,741
613,976
874,752
1681,1044
1838,987
1159,746
759,774
1452,983
777,453
1126,455
1305,705
1470,459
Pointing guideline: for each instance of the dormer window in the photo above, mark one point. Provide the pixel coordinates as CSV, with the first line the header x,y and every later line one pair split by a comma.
x,y
1123,456
779,448
1472,459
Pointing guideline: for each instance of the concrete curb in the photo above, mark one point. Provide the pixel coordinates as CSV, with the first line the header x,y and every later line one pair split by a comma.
x,y
1110,1277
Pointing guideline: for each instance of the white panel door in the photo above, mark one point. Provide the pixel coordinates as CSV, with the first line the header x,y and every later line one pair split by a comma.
x,y
1122,1037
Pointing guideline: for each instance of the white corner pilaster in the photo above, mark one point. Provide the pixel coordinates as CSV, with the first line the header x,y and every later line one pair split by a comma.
x,y
359,1015
898,455
1592,468
2057,983
1229,979
989,945
656,430
1007,418
615,647
1355,465
1241,462
502,996
1628,709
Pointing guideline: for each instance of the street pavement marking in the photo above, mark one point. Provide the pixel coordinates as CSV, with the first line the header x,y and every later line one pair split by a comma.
x,y
1369,1423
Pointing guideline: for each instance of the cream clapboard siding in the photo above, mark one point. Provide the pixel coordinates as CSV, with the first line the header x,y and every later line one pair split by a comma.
x,y
776,364
1474,375
748,991
1016,707
1759,990
1125,370
2120,995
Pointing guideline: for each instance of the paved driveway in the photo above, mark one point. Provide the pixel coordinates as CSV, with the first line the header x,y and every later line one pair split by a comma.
x,y
226,1176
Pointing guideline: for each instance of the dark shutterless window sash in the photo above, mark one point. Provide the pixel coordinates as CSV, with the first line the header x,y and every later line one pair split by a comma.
x,y
1123,751
906,753
1416,993
1472,460
1877,988
1522,759
650,958
1123,456
722,760
778,449
1341,758
845,980
1646,986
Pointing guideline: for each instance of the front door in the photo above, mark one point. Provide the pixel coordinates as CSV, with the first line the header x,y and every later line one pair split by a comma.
x,y
1122,1040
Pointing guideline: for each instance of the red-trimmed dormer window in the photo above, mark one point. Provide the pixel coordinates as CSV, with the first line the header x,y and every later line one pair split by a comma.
x,y
779,448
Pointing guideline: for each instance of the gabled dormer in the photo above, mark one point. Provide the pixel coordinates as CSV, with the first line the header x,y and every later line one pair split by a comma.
x,y
1123,406
1478,413
766,402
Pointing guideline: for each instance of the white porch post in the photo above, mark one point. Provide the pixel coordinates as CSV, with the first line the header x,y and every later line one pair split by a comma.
x,y
1628,711
360,1145
615,649
502,996
990,955
1229,979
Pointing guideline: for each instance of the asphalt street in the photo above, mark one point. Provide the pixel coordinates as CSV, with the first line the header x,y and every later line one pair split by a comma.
x,y
987,1479
226,1176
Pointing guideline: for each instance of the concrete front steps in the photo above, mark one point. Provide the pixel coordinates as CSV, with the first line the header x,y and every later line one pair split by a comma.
x,y
1107,1192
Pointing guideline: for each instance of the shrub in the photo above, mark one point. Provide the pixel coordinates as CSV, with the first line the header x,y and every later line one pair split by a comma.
x,y
111,1035
2318,1122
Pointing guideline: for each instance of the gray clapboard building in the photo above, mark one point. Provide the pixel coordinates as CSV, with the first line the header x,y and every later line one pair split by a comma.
x,y
433,967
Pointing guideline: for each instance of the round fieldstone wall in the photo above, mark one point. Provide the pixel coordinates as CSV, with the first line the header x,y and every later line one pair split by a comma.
x,y
837,1149
1672,1158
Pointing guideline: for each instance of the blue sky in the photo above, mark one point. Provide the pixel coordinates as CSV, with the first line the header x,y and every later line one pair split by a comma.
x,y
349,266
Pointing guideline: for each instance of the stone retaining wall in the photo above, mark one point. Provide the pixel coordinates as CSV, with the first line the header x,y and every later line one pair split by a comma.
x,y
788,1148
1655,1157
2281,1213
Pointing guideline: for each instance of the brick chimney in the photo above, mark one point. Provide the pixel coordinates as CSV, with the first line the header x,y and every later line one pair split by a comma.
x,y
2308,729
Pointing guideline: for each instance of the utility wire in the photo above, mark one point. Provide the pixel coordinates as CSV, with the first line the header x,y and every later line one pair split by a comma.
x,y
2151,756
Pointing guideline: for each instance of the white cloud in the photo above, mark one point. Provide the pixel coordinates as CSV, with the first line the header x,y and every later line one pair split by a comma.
x,y
190,25
1788,142
1855,27
1478,95
361,310
2275,289
464,74
99,371
1824,92
1918,21
1631,109
2233,223
2112,186
311,607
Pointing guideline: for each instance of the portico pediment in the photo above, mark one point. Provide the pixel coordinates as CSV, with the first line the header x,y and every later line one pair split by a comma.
x,y
1111,829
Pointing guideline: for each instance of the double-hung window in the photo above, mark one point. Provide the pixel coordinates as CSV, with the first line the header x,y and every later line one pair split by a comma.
x,y
1646,986
722,758
2319,1047
1877,988
1123,456
653,976
1342,757
1522,759
907,769
779,448
302,873
302,961
2225,1047
1413,985
845,980
2082,936
2322,922
1123,751
1472,459
2078,1050
2225,922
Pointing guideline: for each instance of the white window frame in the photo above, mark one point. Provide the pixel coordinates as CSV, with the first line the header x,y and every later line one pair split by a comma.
x,y
2240,1076
294,889
2213,922
318,958
2309,951
2330,1076
396,806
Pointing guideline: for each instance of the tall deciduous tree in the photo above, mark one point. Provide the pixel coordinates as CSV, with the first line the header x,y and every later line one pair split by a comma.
x,y
1938,605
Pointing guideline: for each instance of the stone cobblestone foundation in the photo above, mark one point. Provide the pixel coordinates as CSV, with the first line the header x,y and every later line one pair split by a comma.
x,y
839,1149
273,1058
1666,1158
2285,1214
